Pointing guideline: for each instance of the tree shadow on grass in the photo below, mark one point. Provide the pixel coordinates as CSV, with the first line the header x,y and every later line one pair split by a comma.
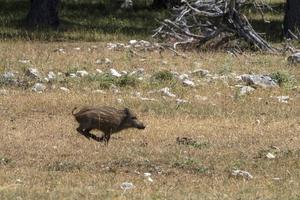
x,y
93,21
84,20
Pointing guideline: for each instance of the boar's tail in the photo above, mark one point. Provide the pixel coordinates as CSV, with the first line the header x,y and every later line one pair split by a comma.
x,y
74,110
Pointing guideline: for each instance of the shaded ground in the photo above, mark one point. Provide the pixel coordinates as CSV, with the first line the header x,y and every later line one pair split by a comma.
x,y
98,21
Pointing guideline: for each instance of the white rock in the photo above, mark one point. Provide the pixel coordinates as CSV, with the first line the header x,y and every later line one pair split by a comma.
x,y
144,43
38,87
51,75
24,61
181,101
127,4
188,82
127,186
166,91
283,99
120,100
64,89
111,46
295,58
270,156
183,76
150,179
99,91
115,73
3,92
77,48
147,99
200,72
276,179
99,71
147,174
124,72
244,174
246,90
263,81
8,75
72,75
60,50
33,72
107,61
164,62
133,42
82,73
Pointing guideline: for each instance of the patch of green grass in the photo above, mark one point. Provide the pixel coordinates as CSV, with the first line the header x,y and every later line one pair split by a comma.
x,y
106,80
284,79
162,76
226,67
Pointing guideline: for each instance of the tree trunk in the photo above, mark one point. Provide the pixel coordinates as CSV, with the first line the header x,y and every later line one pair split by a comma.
x,y
292,19
158,4
43,13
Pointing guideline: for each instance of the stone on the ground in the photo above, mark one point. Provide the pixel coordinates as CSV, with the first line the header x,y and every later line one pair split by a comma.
x,y
99,71
200,72
24,61
8,75
51,75
183,76
82,73
181,101
295,58
246,90
188,82
166,92
115,73
263,81
283,99
33,73
64,89
241,173
133,42
3,92
127,186
270,156
38,87
127,4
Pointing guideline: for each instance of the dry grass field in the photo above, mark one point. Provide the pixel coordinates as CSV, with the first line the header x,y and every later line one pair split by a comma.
x,y
43,157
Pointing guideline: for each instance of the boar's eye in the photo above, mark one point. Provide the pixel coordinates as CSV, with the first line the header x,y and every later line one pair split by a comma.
x,y
133,117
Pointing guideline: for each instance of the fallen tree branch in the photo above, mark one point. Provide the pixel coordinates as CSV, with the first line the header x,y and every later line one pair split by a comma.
x,y
198,22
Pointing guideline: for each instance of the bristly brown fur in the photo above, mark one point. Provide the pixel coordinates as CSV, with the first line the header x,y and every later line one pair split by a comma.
x,y
109,120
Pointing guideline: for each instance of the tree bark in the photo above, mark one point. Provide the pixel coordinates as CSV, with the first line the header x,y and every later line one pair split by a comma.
x,y
43,13
292,19
158,4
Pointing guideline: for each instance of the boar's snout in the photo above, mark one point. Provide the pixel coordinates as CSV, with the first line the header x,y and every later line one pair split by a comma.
x,y
141,126
138,124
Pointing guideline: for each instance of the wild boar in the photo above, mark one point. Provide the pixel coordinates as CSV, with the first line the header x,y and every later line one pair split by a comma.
x,y
109,120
